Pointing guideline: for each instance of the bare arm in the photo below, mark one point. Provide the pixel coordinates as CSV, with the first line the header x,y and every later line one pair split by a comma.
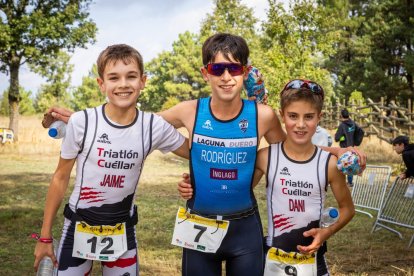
x,y
54,198
345,205
183,151
261,165
181,114
269,125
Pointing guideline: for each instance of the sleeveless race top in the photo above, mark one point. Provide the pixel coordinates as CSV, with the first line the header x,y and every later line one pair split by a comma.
x,y
110,159
223,156
295,196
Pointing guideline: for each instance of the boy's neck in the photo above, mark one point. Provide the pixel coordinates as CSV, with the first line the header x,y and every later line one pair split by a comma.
x,y
122,116
226,110
298,152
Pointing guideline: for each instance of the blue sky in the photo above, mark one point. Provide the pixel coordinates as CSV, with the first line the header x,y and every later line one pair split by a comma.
x,y
150,26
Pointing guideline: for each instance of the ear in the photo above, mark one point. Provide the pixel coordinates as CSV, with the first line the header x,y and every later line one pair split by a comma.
x,y
101,85
143,81
204,73
320,117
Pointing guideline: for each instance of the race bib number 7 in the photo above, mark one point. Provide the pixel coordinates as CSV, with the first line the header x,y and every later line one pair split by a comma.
x,y
101,243
281,263
198,233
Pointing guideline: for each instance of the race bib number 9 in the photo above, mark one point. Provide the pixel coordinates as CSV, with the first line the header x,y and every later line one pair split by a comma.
x,y
101,243
279,262
198,233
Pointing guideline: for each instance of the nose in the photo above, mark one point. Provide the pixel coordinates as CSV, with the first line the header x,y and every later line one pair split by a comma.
x,y
226,75
123,82
300,123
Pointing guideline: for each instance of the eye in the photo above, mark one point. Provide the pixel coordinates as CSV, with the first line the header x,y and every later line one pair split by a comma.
x,y
292,116
113,78
309,117
132,77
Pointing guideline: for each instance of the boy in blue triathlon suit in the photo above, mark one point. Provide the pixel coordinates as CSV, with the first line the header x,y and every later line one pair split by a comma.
x,y
109,144
297,176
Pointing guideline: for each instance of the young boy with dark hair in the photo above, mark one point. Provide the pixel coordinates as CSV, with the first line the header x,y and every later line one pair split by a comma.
x,y
297,176
109,144
402,146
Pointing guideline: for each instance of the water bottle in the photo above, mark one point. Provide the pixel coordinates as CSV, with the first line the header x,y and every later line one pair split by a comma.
x,y
57,130
46,267
329,216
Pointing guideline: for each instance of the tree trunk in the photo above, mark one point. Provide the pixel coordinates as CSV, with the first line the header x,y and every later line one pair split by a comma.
x,y
14,97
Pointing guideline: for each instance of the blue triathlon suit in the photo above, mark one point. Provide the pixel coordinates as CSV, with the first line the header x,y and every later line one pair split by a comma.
x,y
222,163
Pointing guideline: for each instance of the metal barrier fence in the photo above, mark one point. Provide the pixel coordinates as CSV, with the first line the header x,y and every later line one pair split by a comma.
x,y
369,188
398,208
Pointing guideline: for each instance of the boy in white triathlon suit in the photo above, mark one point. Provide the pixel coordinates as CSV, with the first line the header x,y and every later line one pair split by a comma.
x,y
109,143
298,174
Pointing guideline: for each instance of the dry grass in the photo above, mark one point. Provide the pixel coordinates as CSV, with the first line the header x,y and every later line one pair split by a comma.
x,y
27,166
33,138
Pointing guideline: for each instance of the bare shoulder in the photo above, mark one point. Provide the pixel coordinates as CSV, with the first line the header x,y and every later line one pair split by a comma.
x,y
180,113
265,111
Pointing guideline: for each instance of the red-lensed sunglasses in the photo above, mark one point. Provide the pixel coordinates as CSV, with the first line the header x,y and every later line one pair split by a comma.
x,y
298,83
217,69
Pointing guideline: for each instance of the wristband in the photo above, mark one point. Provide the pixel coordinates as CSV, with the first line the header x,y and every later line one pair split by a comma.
x,y
40,239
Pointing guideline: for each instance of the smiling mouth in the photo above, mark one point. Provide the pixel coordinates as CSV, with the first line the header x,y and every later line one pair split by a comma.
x,y
123,94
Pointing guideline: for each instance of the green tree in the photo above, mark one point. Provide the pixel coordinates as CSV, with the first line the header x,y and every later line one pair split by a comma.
x,y
294,45
26,103
390,67
230,16
88,93
56,91
35,31
175,74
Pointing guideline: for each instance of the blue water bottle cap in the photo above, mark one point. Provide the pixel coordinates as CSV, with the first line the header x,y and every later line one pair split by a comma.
x,y
333,213
53,132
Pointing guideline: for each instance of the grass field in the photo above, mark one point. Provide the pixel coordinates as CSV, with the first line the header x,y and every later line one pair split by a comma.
x,y
26,169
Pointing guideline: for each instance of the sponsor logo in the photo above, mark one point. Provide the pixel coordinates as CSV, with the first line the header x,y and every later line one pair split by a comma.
x,y
188,245
207,125
285,171
200,247
178,241
243,125
223,174
79,253
105,258
104,139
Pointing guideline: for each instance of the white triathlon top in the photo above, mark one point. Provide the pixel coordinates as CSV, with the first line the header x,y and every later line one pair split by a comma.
x,y
295,196
111,161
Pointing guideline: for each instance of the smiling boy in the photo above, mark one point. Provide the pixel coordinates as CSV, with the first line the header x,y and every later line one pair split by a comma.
x,y
109,144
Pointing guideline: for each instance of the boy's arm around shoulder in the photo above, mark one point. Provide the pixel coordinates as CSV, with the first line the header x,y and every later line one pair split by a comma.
x,y
261,165
54,197
269,124
180,114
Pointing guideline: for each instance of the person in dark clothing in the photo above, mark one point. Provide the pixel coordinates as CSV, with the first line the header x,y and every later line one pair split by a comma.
x,y
402,146
345,135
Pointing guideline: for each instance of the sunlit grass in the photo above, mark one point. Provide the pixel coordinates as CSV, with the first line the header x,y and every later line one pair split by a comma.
x,y
24,178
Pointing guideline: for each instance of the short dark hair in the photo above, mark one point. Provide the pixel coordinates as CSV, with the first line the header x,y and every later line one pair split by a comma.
x,y
301,94
344,114
227,44
401,140
117,52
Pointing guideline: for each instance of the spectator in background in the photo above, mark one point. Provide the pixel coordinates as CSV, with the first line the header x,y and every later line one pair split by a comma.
x,y
322,137
345,135
402,146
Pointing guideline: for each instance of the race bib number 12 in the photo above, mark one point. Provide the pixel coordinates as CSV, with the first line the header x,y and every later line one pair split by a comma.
x,y
198,233
280,263
101,243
